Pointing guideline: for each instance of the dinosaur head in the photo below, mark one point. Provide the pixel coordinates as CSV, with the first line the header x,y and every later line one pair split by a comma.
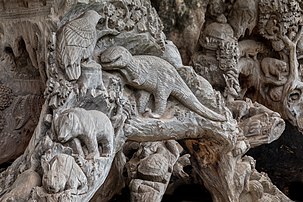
x,y
115,58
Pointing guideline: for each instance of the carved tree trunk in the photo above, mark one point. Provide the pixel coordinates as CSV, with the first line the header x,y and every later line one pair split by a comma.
x,y
96,132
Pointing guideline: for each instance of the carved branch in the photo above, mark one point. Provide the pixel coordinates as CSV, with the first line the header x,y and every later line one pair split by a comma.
x,y
298,35
188,128
83,122
293,63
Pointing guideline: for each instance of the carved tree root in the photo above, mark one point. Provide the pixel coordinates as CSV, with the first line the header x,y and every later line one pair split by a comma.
x,y
230,177
190,127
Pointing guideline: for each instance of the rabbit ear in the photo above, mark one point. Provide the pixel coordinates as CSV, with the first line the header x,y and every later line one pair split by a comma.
x,y
45,165
53,162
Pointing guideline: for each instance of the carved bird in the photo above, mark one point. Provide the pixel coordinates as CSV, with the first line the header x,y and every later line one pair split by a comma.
x,y
76,42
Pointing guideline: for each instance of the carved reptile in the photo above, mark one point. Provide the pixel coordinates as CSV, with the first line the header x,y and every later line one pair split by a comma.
x,y
155,76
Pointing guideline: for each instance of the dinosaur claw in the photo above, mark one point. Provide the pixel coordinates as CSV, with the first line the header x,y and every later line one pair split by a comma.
x,y
148,113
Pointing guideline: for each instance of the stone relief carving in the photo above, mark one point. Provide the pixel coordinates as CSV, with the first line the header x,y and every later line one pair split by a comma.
x,y
150,169
91,127
243,16
63,173
118,96
141,73
76,42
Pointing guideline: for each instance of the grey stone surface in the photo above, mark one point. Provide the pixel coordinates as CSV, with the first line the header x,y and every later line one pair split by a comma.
x,y
100,100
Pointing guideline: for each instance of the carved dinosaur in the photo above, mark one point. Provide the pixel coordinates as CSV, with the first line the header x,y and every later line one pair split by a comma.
x,y
155,76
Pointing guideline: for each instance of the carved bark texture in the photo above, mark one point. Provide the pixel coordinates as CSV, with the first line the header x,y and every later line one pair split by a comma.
x,y
96,96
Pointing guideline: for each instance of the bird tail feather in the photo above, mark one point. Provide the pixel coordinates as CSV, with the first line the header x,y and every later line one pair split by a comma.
x,y
73,71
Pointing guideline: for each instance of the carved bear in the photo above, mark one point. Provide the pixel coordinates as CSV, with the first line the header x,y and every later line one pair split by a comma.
x,y
89,126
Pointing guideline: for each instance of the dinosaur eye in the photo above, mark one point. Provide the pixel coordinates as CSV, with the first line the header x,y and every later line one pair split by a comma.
x,y
294,96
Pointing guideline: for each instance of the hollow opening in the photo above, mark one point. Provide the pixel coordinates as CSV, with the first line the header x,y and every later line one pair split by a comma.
x,y
188,192
296,191
8,50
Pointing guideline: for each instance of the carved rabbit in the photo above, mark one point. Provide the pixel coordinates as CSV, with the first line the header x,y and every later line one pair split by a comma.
x,y
62,173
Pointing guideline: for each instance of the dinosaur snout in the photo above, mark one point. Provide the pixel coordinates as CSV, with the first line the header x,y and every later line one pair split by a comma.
x,y
106,58
111,61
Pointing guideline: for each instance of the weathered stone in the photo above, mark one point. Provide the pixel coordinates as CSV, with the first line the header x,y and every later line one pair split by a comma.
x,y
118,96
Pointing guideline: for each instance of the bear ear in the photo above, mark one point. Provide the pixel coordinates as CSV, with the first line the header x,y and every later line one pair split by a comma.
x,y
70,116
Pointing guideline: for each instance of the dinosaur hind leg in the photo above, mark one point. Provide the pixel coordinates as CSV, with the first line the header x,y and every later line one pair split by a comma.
x,y
160,104
143,100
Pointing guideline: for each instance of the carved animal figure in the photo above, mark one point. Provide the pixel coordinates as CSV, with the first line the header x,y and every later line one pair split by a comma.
x,y
251,48
90,127
274,67
155,76
63,173
243,17
76,42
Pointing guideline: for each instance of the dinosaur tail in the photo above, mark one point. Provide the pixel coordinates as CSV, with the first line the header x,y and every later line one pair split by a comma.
x,y
188,99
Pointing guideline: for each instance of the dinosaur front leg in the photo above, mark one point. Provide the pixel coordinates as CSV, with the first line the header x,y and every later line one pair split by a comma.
x,y
160,103
143,100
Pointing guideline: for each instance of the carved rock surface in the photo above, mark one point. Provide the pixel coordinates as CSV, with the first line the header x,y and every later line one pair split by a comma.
x,y
256,27
124,114
182,19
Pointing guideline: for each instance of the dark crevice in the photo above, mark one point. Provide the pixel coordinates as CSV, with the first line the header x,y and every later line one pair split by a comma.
x,y
190,192
282,160
296,191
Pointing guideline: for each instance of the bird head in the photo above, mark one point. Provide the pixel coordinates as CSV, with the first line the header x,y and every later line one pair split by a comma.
x,y
93,16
